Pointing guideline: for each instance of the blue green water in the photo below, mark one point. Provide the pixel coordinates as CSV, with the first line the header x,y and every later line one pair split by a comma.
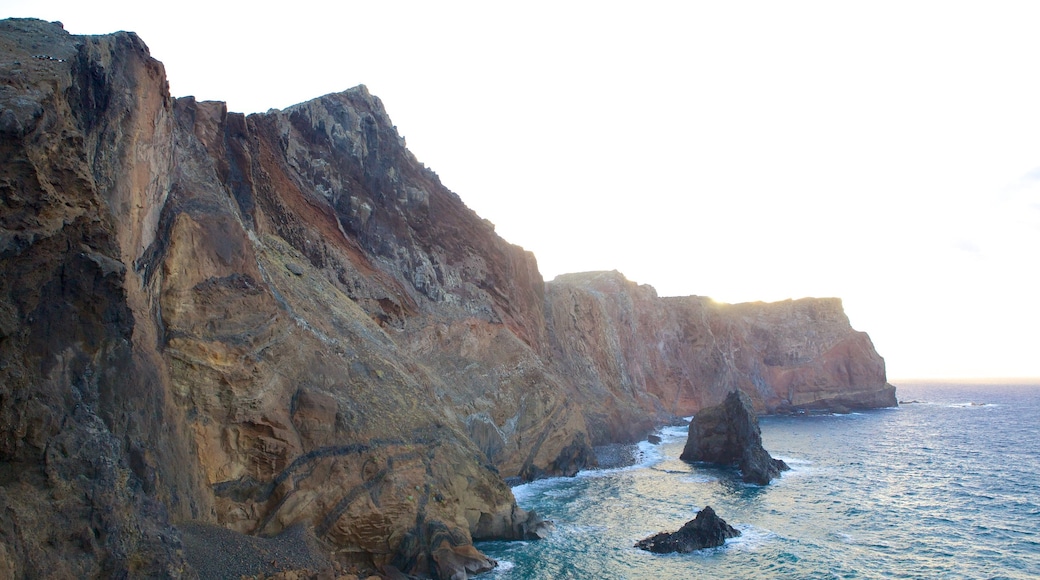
x,y
946,488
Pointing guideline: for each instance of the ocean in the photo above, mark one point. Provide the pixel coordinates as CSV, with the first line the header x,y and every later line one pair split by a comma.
x,y
947,487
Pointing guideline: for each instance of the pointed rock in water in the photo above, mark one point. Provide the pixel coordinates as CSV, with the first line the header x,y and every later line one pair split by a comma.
x,y
707,530
729,434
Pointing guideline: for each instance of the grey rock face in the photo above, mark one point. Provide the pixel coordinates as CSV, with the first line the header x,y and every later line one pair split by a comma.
x,y
729,434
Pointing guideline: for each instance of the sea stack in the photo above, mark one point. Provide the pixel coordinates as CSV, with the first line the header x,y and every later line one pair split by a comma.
x,y
729,434
707,530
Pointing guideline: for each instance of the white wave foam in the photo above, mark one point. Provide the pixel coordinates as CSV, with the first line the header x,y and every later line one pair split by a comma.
x,y
970,405
750,539
645,455
799,468
843,537
793,462
559,492
528,491
673,433
503,567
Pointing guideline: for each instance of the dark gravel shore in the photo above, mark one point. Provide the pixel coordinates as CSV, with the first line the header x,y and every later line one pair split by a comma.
x,y
218,554
616,455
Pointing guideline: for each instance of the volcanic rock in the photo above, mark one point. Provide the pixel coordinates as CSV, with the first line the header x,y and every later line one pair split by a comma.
x,y
636,359
194,326
707,530
284,320
729,434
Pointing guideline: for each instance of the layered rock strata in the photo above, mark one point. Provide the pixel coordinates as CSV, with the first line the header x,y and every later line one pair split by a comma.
x,y
729,434
189,332
635,358
285,319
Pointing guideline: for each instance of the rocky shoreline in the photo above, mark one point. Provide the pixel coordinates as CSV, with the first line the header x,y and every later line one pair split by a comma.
x,y
221,554
616,455
285,319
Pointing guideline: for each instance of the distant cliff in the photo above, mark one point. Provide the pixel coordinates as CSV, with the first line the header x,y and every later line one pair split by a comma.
x,y
637,359
284,318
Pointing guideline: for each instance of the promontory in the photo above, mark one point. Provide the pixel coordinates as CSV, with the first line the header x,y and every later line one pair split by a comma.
x,y
283,321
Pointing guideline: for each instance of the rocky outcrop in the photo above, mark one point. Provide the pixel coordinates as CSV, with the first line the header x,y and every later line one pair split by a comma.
x,y
197,323
285,320
95,458
635,358
729,434
707,530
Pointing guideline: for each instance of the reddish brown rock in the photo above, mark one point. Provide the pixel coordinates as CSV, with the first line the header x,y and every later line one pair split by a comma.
x,y
636,358
189,332
284,319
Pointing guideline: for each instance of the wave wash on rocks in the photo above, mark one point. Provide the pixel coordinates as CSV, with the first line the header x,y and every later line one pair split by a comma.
x,y
285,319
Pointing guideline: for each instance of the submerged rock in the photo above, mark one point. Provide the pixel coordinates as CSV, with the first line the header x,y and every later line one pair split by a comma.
x,y
707,530
729,434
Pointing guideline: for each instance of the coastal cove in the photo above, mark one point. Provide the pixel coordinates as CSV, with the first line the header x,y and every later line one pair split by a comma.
x,y
940,488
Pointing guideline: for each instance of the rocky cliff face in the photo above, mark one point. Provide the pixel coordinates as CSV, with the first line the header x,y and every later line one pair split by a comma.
x,y
284,318
636,358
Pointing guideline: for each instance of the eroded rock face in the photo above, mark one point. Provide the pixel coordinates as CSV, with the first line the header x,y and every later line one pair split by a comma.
x,y
93,456
729,434
635,358
194,327
706,530
285,319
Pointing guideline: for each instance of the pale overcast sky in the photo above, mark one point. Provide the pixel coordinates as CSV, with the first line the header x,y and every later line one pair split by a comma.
x,y
884,152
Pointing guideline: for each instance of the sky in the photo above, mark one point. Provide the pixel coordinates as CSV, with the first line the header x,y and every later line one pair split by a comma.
x,y
887,153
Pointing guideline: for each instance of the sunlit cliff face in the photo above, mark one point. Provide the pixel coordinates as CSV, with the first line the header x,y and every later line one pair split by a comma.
x,y
749,175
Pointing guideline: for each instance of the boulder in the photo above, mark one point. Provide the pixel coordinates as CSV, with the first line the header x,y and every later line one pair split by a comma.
x,y
729,434
707,530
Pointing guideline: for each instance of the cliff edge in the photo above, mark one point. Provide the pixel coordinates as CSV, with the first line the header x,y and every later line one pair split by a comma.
x,y
636,359
284,319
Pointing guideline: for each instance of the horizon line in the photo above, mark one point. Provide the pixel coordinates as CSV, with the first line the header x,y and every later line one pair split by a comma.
x,y
983,380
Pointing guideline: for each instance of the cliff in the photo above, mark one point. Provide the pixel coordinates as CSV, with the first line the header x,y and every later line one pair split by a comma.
x,y
637,359
284,318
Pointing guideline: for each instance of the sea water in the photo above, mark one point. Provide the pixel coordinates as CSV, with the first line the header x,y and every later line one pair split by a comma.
x,y
948,487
